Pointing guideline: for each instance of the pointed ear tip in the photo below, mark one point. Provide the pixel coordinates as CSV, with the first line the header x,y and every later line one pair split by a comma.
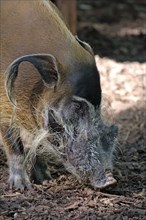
x,y
53,57
55,60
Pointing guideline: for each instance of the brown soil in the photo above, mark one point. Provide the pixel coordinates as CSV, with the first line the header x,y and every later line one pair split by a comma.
x,y
116,32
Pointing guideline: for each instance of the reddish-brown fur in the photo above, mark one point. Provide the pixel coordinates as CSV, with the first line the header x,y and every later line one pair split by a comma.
x,y
35,27
29,27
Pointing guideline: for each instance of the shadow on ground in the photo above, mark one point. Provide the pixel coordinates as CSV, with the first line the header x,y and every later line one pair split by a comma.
x,y
120,48
118,28
131,160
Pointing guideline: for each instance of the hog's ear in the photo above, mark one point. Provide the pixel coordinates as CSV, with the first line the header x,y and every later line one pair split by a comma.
x,y
85,45
46,64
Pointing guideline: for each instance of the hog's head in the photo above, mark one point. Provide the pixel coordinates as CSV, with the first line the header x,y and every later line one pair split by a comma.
x,y
85,146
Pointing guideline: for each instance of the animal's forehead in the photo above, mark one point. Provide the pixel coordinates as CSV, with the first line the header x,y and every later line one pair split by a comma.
x,y
91,107
79,99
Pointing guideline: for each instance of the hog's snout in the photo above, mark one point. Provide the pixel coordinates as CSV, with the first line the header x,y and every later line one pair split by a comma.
x,y
106,180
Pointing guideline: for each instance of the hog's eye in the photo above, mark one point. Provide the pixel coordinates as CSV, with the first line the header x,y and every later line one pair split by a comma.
x,y
77,105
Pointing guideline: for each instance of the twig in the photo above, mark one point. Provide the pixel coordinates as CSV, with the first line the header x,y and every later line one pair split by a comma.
x,y
10,195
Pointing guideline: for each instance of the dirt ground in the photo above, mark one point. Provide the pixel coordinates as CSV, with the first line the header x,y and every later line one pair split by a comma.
x,y
116,33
